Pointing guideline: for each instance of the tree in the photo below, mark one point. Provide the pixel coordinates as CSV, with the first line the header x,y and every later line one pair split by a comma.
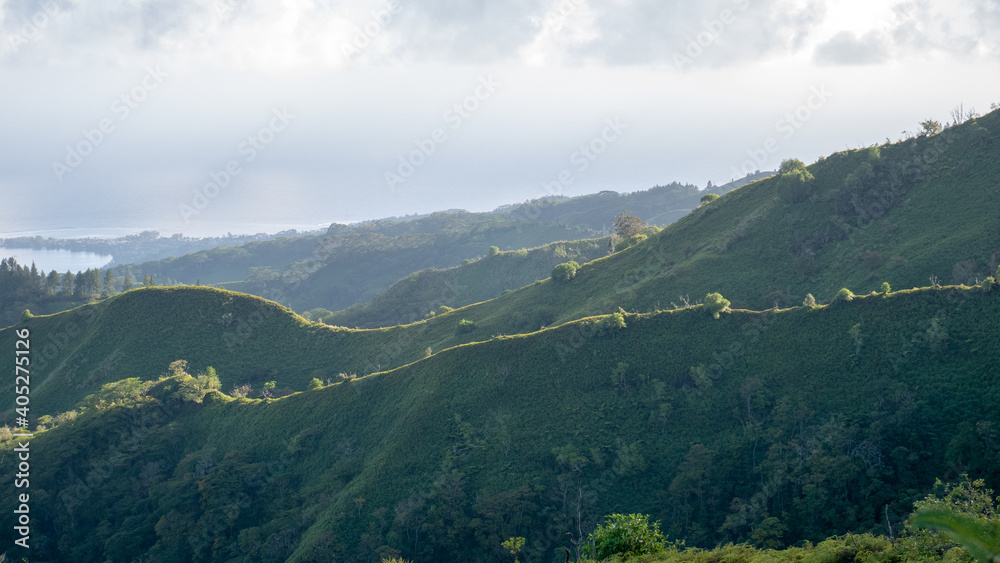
x,y
565,271
886,288
209,379
493,251
52,283
109,284
514,545
930,127
315,383
843,295
148,281
128,282
26,315
627,226
68,285
92,282
80,285
809,301
625,535
987,284
716,303
709,198
793,180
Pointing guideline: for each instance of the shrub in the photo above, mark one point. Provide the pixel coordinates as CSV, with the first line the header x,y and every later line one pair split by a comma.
x,y
315,383
612,323
627,535
709,198
967,499
843,295
26,315
465,326
716,303
809,301
565,271
493,251
987,284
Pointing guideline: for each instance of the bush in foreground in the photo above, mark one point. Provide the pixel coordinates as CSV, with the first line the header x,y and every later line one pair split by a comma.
x,y
626,535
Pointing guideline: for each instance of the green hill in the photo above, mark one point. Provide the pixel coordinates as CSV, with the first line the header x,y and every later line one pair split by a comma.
x,y
822,418
411,298
907,214
352,262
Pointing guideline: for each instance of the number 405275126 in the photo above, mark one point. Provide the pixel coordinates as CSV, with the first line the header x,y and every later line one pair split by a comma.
x,y
22,373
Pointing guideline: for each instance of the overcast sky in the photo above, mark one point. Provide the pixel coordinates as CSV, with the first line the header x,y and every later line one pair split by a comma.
x,y
220,115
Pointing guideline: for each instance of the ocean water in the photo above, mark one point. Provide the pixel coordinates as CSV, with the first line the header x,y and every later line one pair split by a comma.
x,y
58,260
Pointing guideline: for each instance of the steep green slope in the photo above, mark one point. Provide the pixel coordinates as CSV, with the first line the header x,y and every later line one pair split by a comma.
x,y
822,418
899,213
349,269
225,263
411,298
247,339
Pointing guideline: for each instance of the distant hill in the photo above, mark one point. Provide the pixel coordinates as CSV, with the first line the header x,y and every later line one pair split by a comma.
x,y
354,262
421,293
659,205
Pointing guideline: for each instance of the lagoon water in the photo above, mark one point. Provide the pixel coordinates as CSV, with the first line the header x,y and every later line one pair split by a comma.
x,y
58,260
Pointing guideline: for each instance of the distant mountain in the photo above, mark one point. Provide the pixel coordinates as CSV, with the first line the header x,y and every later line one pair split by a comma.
x,y
354,262
421,293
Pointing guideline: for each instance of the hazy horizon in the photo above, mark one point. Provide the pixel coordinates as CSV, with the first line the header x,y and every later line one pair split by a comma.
x,y
184,117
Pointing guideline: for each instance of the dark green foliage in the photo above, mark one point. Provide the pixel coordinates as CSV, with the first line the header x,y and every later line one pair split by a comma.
x,y
709,198
794,181
844,433
624,534
565,271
